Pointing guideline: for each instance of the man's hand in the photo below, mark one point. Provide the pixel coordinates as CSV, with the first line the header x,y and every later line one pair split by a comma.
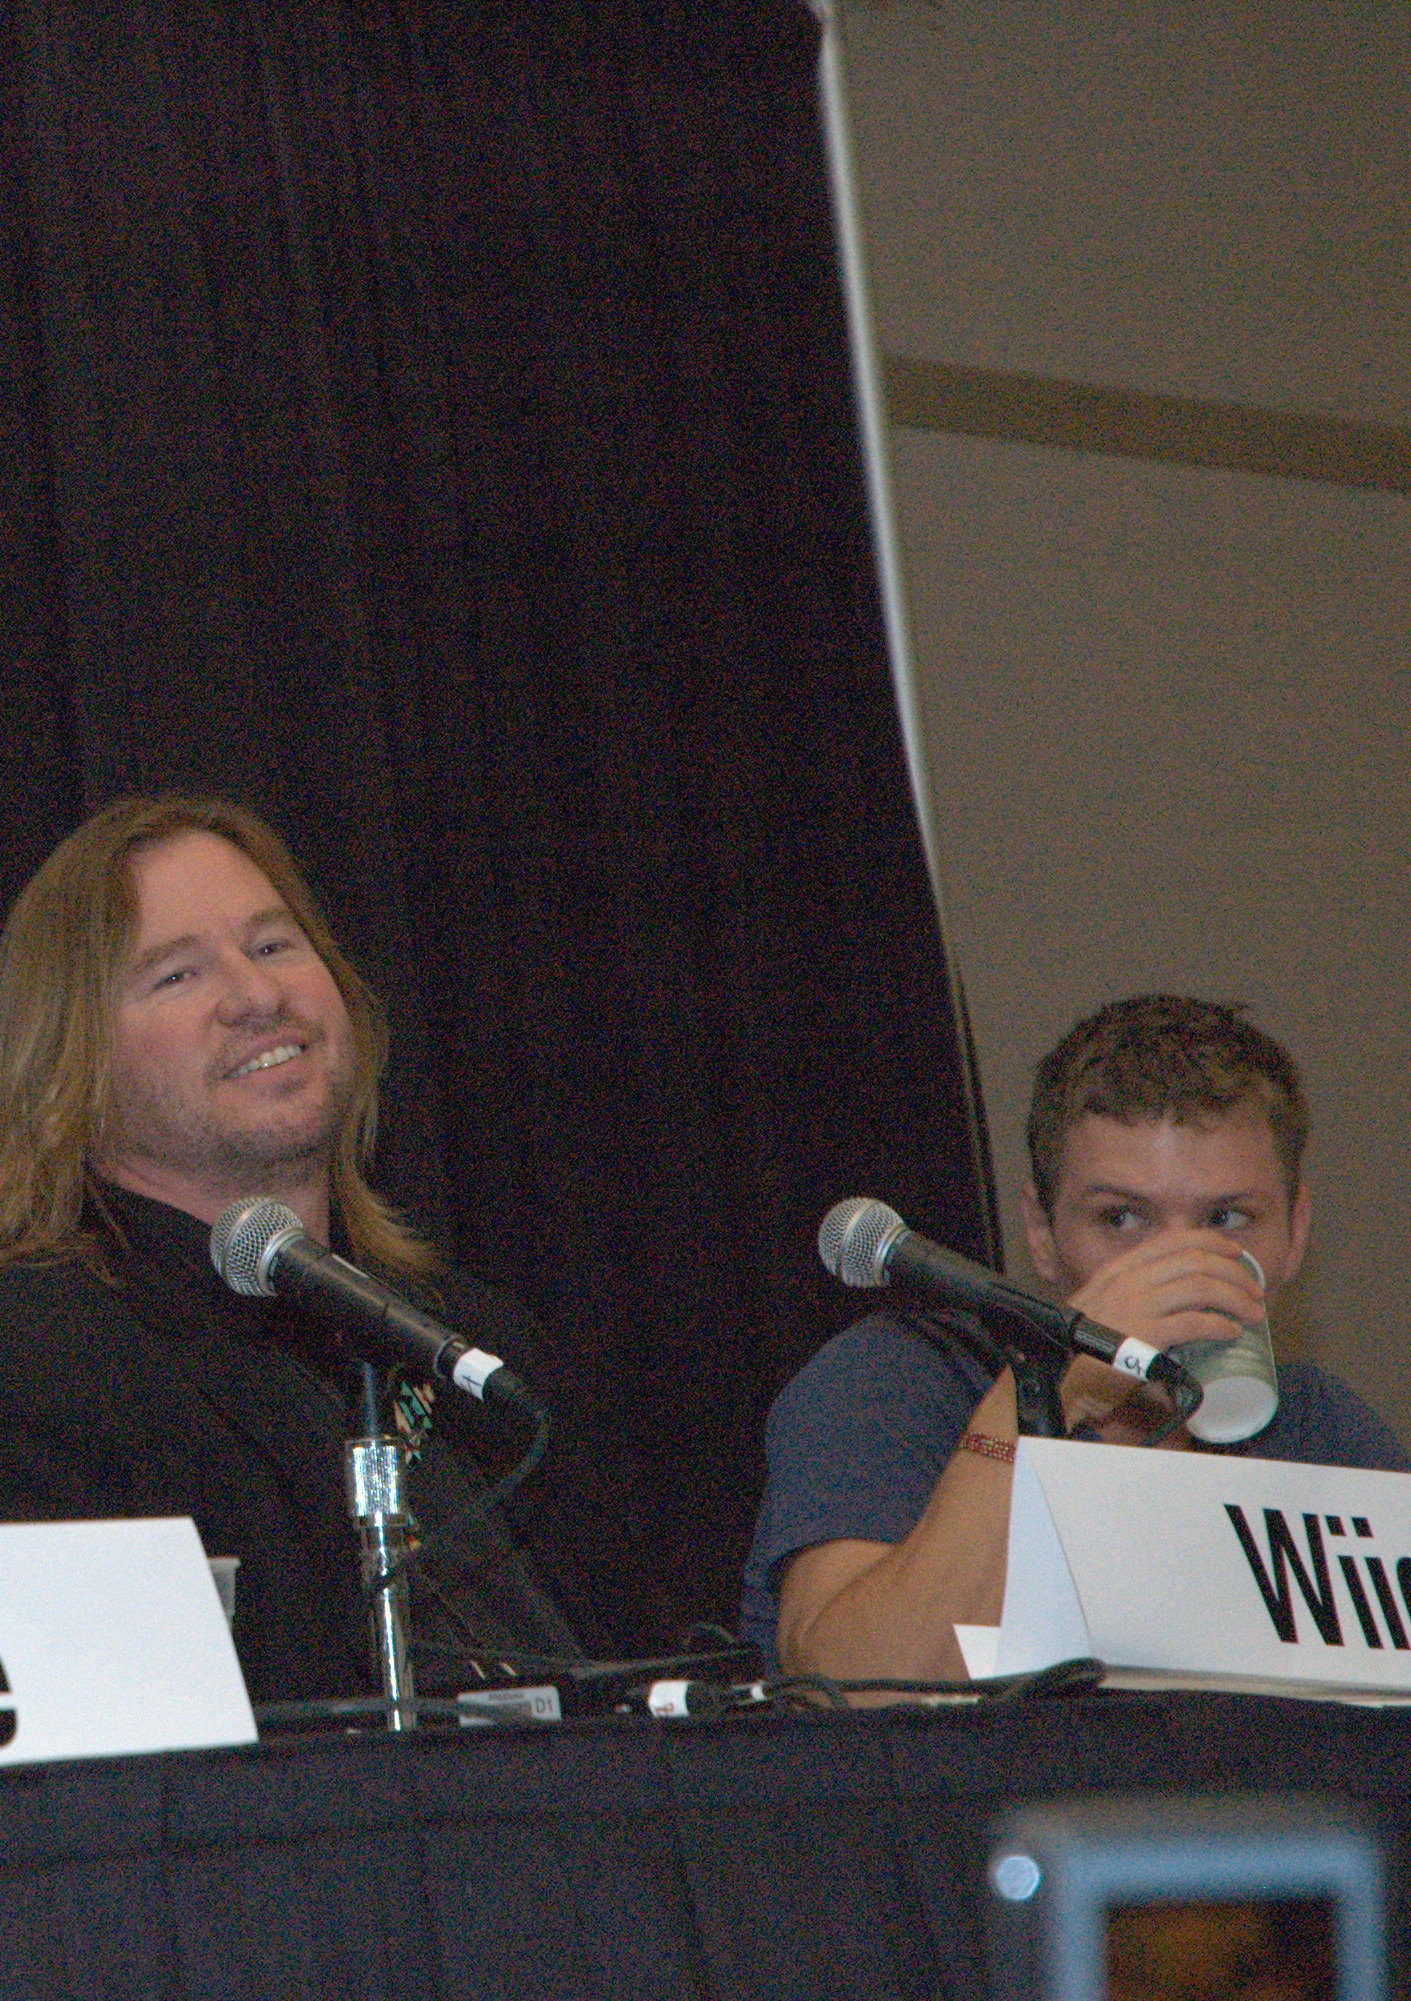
x,y
1186,1285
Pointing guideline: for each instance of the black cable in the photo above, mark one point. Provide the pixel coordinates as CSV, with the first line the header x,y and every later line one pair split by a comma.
x,y
1079,1676
1071,1677
483,1500
533,1453
357,1708
486,1498
801,1693
787,1687
1186,1399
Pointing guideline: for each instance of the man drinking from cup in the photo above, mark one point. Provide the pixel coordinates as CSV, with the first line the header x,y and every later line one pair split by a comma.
x,y
1167,1202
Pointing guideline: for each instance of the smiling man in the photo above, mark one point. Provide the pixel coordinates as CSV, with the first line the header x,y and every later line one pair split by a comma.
x,y
178,1029
232,1063
1166,1136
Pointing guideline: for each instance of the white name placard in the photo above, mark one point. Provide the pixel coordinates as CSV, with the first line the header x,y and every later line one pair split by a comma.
x,y
113,1640
1244,1570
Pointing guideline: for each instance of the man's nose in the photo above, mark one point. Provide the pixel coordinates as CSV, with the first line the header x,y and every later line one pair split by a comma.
x,y
248,986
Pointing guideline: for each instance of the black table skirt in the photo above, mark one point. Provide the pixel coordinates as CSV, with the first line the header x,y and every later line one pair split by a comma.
x,y
806,1857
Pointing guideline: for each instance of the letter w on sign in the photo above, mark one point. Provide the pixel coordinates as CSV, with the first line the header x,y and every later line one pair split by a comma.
x,y
1284,1557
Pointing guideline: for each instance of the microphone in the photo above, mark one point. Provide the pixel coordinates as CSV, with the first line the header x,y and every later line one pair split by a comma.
x,y
260,1248
865,1243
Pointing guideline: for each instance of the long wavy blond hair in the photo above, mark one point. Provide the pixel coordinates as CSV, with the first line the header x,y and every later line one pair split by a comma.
x,y
61,957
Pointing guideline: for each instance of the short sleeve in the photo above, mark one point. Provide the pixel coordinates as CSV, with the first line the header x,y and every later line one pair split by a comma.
x,y
854,1445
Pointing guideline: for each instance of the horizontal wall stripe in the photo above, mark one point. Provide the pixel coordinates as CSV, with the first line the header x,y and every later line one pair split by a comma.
x,y
1170,430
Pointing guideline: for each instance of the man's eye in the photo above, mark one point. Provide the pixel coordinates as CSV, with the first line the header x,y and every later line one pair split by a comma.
x,y
1118,1218
1230,1219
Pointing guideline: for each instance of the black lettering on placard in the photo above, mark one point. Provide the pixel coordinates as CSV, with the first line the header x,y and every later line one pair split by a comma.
x,y
1376,1570
9,1721
1283,1558
1359,1602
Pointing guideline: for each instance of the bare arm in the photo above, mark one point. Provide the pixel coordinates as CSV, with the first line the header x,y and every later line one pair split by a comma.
x,y
859,1610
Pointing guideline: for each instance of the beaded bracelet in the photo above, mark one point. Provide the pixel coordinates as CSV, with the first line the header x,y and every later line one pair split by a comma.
x,y
988,1448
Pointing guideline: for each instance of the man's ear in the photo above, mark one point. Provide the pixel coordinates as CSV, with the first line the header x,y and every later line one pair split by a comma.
x,y
1300,1217
1038,1233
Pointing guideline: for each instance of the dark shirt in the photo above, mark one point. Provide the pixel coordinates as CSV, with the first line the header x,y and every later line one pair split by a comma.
x,y
167,1394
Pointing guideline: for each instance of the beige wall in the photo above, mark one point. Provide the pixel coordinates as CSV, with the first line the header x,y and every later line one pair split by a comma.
x,y
1165,704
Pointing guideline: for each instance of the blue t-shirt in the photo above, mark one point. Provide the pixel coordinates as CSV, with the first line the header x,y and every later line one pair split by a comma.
x,y
856,1442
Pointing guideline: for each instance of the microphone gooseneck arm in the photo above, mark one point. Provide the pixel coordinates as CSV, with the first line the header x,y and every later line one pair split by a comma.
x,y
865,1243
260,1247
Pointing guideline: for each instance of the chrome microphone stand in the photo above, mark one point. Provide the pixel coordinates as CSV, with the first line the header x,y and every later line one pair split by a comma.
x,y
375,1481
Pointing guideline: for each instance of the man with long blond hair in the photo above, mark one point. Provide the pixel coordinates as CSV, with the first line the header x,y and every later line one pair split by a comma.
x,y
178,1029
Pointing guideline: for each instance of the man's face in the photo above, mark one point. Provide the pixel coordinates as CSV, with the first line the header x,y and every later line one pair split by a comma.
x,y
1122,1185
232,1052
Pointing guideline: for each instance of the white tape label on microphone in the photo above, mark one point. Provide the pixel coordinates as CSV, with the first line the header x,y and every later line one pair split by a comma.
x,y
669,1698
1134,1358
473,1370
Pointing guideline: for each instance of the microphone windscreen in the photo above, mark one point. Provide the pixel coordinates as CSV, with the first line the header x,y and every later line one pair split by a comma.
x,y
851,1238
240,1237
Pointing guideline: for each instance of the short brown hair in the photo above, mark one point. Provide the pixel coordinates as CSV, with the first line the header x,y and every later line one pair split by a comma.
x,y
1158,1056
61,955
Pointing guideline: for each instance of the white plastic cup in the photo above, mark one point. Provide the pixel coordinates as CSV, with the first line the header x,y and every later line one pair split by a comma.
x,y
1239,1379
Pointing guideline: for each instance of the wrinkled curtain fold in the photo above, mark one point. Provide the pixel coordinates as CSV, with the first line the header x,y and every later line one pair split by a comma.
x,y
431,424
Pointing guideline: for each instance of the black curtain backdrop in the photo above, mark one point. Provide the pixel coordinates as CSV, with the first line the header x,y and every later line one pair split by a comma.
x,y
431,425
